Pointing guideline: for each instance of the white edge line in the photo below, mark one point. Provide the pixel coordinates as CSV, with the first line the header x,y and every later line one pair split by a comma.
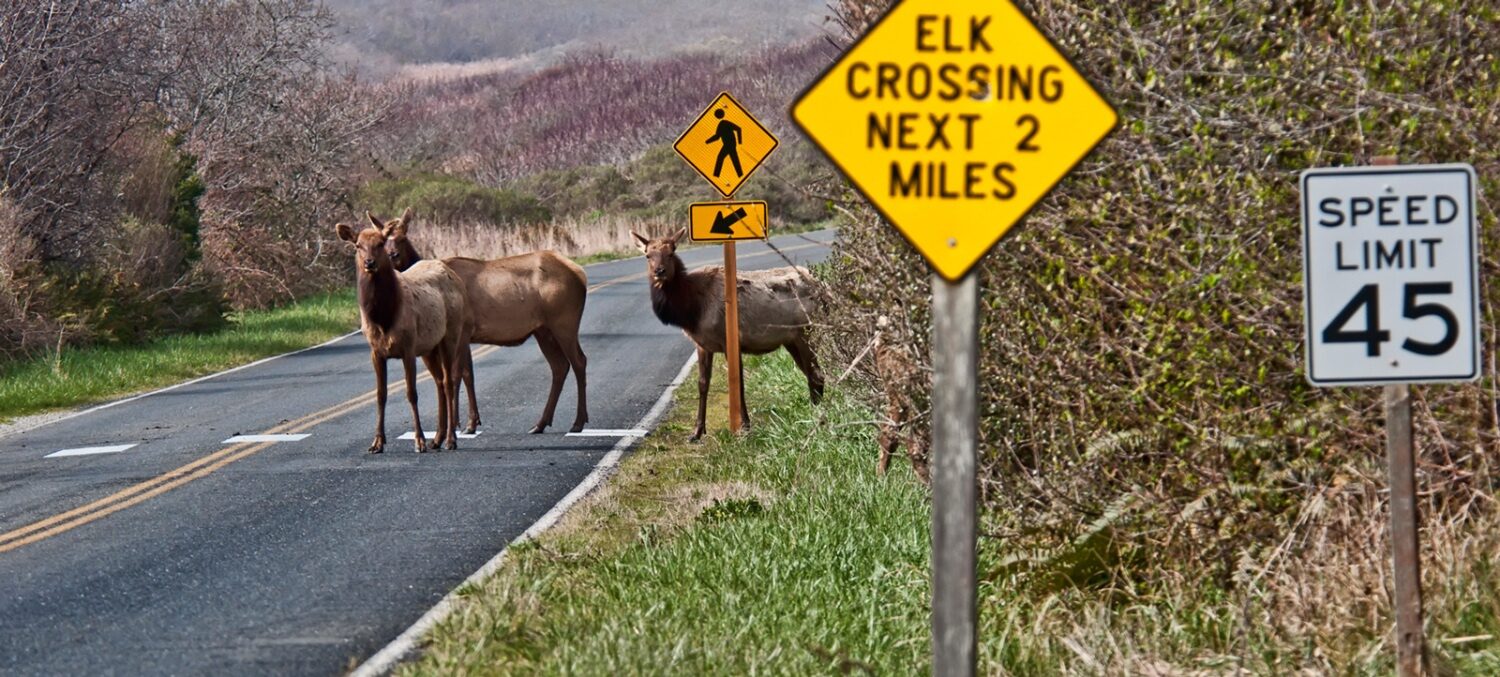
x,y
404,644
200,379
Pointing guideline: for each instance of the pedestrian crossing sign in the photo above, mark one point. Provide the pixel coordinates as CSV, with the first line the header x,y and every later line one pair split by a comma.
x,y
726,144
725,221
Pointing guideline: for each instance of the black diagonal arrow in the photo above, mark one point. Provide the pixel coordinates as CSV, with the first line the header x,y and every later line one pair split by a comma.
x,y
723,224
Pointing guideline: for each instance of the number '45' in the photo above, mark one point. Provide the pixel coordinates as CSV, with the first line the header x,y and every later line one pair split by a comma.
x,y
1368,298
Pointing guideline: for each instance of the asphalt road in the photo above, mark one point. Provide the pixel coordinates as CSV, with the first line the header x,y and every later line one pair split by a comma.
x,y
185,554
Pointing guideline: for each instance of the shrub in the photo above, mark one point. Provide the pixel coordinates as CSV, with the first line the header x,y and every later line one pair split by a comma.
x,y
449,200
1141,388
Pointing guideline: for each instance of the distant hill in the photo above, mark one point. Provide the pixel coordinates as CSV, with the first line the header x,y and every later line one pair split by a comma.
x,y
383,35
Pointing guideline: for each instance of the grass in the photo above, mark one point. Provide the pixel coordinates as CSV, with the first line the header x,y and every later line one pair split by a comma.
x,y
80,376
782,553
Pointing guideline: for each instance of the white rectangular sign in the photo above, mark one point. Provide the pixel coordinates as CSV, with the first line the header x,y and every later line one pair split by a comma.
x,y
1390,273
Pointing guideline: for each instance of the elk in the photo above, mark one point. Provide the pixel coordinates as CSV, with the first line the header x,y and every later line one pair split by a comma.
x,y
774,309
404,315
511,299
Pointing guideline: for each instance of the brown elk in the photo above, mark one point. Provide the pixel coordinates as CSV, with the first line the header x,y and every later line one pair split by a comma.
x,y
418,312
540,294
774,313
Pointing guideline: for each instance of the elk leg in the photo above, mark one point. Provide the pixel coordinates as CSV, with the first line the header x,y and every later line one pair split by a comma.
x,y
580,364
705,376
559,364
409,363
436,362
802,354
466,369
380,391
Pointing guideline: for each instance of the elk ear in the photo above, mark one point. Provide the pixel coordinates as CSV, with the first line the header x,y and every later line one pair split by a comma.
x,y
375,222
345,231
406,217
396,228
678,237
640,241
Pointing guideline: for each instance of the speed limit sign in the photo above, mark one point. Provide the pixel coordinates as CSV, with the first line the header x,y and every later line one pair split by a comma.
x,y
1390,273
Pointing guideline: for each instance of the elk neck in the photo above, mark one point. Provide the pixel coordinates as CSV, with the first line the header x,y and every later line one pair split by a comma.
x,y
678,302
380,297
408,253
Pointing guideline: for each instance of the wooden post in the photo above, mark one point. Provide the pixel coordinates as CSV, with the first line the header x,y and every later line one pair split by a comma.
x,y
1405,547
732,336
955,443
1406,551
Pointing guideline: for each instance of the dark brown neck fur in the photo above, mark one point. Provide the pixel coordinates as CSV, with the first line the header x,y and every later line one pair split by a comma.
x,y
679,302
408,253
380,297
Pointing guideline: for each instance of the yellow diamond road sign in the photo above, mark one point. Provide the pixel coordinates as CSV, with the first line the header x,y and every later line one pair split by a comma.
x,y
725,144
954,118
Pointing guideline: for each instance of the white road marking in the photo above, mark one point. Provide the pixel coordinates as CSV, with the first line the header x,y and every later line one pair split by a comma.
x,y
266,438
382,662
608,432
89,451
409,435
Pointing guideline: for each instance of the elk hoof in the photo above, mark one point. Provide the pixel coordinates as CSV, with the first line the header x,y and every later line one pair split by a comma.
x,y
452,443
538,429
473,427
420,444
696,436
577,427
378,445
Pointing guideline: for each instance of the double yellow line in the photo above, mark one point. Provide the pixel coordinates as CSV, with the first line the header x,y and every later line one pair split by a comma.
x,y
207,465
203,467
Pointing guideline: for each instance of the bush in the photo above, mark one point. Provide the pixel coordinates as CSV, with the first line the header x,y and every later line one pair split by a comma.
x,y
1143,404
449,200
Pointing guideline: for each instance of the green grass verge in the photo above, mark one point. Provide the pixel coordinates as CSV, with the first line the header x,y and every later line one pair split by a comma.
x,y
79,376
781,553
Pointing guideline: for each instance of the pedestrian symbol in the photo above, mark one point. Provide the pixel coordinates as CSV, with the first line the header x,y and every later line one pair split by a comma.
x,y
730,135
725,144
725,221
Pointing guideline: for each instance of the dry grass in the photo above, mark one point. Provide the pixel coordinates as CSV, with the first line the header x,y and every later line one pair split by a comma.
x,y
574,238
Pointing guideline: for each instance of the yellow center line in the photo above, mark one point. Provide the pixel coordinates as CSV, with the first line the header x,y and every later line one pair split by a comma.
x,y
217,460
195,470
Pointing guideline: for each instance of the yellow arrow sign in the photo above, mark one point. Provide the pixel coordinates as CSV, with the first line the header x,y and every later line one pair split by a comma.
x,y
954,118
726,144
724,221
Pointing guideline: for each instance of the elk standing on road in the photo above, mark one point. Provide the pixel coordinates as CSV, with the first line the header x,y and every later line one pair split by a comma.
x,y
419,312
774,309
540,294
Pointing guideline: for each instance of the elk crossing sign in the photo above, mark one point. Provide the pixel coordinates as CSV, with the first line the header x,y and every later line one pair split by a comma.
x,y
954,118
721,221
1390,274
726,144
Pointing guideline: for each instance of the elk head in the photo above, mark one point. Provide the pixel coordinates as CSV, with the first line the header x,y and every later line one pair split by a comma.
x,y
402,254
662,264
370,256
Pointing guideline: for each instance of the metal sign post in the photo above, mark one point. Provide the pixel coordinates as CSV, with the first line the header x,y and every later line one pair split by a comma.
x,y
1391,298
955,452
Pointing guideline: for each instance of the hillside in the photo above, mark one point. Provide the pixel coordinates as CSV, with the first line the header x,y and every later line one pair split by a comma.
x,y
382,35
